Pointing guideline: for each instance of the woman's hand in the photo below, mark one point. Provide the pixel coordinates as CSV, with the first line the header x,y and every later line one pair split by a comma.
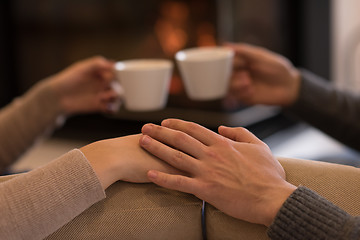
x,y
234,171
262,77
122,159
87,86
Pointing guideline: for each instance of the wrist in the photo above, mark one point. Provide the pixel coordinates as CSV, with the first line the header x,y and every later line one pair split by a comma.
x,y
294,87
276,200
57,87
106,171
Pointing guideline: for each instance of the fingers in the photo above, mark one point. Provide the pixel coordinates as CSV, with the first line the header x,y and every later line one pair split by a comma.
x,y
99,62
239,135
240,83
173,157
109,101
174,182
202,134
244,52
248,56
102,67
174,138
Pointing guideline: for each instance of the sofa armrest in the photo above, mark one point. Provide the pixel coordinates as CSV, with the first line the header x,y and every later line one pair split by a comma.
x,y
146,211
137,211
337,183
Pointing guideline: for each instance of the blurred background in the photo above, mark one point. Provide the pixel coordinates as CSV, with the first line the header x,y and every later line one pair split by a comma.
x,y
41,37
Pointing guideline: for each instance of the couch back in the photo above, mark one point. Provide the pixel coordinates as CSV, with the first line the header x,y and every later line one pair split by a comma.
x,y
146,211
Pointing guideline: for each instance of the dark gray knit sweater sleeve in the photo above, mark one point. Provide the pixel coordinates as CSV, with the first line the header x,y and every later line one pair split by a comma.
x,y
306,215
335,112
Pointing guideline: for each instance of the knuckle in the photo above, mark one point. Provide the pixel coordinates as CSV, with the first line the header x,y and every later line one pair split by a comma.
x,y
179,138
242,130
178,181
211,188
178,155
177,158
211,185
192,127
211,153
225,142
163,180
245,130
185,126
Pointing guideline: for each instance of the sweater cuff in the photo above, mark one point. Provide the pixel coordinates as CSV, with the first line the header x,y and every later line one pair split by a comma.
x,y
306,215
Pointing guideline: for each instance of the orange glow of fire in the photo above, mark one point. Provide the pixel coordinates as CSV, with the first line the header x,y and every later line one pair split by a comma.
x,y
171,29
206,34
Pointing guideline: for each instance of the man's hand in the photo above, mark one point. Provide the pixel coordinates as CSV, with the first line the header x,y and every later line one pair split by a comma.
x,y
262,77
233,170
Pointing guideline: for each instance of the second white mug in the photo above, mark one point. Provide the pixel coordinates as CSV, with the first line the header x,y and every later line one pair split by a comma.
x,y
205,71
145,83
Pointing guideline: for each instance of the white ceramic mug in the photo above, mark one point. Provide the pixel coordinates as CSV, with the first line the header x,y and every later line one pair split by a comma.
x,y
205,71
145,83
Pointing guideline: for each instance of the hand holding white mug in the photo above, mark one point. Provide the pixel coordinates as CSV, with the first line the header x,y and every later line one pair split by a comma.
x,y
86,86
263,77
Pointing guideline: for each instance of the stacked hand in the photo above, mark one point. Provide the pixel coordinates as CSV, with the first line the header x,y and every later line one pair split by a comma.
x,y
232,170
122,159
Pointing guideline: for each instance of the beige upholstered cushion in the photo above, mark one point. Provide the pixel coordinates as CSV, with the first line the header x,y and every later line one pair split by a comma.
x,y
145,211
137,211
338,183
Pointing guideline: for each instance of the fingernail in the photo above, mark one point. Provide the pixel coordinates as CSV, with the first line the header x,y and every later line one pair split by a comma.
x,y
145,140
165,122
152,174
146,128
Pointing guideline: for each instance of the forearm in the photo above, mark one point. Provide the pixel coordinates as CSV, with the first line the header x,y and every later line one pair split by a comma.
x,y
25,119
35,204
335,112
306,215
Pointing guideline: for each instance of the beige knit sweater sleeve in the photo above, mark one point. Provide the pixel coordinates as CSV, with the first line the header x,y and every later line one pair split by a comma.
x,y
35,204
24,120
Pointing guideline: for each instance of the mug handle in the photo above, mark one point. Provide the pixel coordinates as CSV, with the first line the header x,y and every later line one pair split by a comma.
x,y
115,105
